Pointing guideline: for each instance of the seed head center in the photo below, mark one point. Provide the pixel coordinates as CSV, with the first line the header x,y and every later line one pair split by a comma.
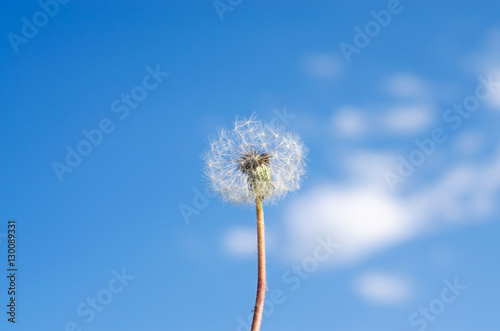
x,y
250,161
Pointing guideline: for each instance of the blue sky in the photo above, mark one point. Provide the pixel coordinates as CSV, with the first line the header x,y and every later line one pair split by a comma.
x,y
403,169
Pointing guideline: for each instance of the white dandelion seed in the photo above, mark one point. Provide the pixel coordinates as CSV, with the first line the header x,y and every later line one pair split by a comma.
x,y
254,160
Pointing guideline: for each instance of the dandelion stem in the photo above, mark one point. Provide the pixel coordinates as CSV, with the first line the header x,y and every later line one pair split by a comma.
x,y
261,284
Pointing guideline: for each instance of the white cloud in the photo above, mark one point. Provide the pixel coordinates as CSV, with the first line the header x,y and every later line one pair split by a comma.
x,y
322,65
241,241
365,217
469,143
494,100
367,168
364,220
349,122
488,58
487,61
465,193
408,119
383,288
407,86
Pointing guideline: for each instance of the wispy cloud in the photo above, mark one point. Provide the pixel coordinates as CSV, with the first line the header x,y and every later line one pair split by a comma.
x,y
406,85
367,218
487,61
349,122
469,143
408,119
364,219
383,288
321,65
240,241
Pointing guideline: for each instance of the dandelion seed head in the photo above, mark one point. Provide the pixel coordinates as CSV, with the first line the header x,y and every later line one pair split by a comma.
x,y
254,160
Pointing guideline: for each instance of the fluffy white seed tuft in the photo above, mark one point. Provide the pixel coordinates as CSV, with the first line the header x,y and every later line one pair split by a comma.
x,y
223,162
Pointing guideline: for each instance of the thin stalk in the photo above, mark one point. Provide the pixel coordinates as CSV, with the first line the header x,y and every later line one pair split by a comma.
x,y
261,284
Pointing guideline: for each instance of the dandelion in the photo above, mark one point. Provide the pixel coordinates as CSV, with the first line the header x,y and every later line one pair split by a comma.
x,y
255,163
